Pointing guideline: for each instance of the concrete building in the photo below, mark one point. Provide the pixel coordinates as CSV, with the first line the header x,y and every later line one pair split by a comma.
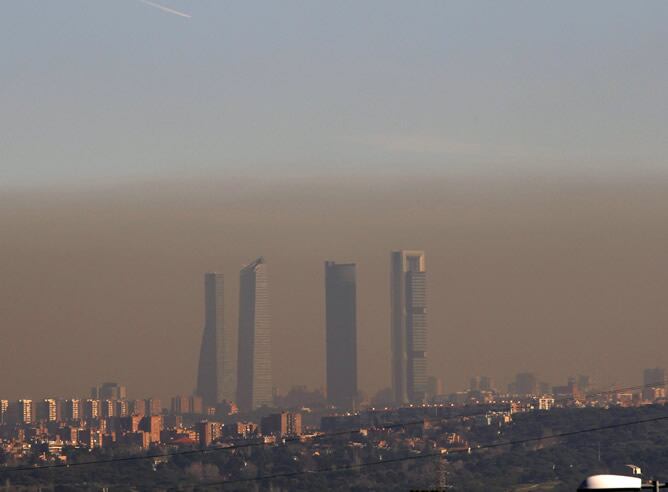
x,y
485,383
181,405
545,403
434,387
254,377
341,334
122,408
138,407
152,425
49,410
26,412
526,384
654,382
4,409
282,424
72,409
408,304
216,378
91,409
153,406
196,405
112,391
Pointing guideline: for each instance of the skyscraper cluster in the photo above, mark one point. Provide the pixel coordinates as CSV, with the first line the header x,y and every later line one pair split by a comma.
x,y
216,381
252,387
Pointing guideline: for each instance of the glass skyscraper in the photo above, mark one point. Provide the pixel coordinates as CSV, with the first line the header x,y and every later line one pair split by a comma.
x,y
408,301
215,377
254,382
341,333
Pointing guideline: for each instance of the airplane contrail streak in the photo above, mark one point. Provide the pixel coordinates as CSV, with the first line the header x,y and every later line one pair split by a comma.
x,y
166,9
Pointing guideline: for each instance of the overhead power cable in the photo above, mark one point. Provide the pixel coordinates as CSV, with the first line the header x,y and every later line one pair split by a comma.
x,y
433,455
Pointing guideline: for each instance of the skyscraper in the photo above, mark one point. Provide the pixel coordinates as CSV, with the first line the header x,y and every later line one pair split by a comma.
x,y
654,376
654,382
112,391
526,383
215,376
254,381
341,333
408,303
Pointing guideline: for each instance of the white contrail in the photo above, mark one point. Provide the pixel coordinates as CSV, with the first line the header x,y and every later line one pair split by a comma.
x,y
166,9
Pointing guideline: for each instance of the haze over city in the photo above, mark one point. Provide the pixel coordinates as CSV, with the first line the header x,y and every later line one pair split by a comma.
x,y
307,245
523,149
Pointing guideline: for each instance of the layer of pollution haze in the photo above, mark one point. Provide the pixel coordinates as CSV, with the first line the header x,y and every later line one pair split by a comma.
x,y
555,276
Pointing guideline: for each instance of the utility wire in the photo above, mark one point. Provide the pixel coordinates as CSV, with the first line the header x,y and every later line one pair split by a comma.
x,y
422,421
432,455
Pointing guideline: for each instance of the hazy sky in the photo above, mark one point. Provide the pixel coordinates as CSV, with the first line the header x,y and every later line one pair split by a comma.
x,y
520,144
98,89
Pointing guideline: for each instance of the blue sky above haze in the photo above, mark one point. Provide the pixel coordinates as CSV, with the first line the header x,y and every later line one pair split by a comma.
x,y
93,90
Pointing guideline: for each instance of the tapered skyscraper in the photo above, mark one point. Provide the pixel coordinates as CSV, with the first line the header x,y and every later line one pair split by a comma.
x,y
408,302
254,382
341,333
216,380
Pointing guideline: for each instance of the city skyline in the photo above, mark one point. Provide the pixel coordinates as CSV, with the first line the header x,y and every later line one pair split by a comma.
x,y
373,273
418,237
521,145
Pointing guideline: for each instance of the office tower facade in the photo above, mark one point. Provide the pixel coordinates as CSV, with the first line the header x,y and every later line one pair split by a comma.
x,y
341,333
254,381
408,303
215,375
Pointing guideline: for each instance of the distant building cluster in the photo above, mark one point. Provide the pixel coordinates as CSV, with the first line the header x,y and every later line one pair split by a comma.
x,y
235,400
49,429
109,420
250,383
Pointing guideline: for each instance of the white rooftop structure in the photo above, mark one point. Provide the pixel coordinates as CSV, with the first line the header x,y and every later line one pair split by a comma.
x,y
611,482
